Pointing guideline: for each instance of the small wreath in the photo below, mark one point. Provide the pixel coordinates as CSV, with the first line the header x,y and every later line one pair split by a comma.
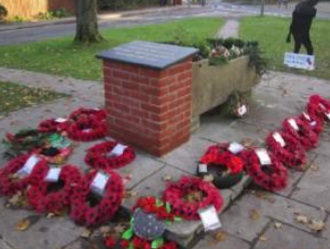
x,y
318,108
190,194
305,135
98,211
44,199
52,125
97,156
225,167
292,154
270,177
87,129
10,184
98,114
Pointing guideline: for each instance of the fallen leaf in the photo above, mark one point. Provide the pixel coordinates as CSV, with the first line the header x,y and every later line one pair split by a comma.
x,y
85,233
167,178
316,225
322,209
105,229
285,93
302,218
278,225
22,225
254,215
220,236
263,238
314,167
208,178
129,194
247,142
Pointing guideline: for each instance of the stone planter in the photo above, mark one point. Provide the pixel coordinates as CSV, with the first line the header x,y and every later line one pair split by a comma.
x,y
212,85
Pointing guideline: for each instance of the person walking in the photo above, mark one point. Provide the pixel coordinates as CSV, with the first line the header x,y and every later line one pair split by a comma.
x,y
302,18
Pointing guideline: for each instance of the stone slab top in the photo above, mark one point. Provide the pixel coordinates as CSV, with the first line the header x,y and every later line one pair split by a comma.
x,y
148,54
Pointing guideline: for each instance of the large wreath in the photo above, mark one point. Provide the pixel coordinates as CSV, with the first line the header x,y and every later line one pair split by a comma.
x,y
191,194
47,197
97,156
315,124
225,167
52,125
101,208
87,129
11,182
292,154
271,177
305,135
319,108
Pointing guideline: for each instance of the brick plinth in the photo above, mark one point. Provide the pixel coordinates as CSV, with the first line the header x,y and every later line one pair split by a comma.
x,y
149,108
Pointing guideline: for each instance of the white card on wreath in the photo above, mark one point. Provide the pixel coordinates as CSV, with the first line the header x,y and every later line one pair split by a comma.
x,y
53,175
235,147
60,120
118,150
29,165
242,110
301,61
210,218
278,138
328,115
307,116
313,123
263,156
293,124
99,183
202,168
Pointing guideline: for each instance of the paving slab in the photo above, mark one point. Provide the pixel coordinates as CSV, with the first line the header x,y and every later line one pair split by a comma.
x,y
248,216
290,238
230,242
314,187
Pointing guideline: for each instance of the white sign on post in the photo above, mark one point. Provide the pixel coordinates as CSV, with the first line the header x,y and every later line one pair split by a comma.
x,y
210,218
301,61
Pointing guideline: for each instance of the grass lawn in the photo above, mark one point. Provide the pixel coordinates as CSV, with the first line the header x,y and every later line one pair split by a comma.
x,y
14,97
271,32
59,56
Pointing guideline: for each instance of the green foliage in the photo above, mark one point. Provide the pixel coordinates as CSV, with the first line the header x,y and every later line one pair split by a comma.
x,y
53,14
3,12
125,4
256,58
17,19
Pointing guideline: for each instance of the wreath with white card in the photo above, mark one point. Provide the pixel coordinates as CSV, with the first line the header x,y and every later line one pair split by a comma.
x,y
109,155
222,164
315,124
190,194
287,149
301,132
20,172
319,108
96,198
53,125
94,113
52,194
265,169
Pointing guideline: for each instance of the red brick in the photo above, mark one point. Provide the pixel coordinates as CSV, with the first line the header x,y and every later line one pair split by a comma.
x,y
130,85
185,75
122,107
139,79
121,74
137,95
154,108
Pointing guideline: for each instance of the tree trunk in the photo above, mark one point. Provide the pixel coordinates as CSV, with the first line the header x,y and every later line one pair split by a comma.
x,y
87,26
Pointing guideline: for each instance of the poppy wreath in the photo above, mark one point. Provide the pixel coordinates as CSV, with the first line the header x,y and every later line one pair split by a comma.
x,y
225,167
51,125
139,243
95,113
305,135
292,154
10,186
87,129
270,177
104,210
176,195
315,124
318,108
96,156
44,200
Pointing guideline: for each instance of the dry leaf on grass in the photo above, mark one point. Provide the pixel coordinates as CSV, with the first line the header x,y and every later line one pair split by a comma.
x,y
316,225
22,225
254,215
220,236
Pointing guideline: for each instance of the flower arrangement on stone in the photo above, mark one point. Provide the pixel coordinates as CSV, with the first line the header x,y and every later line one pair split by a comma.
x,y
223,166
220,54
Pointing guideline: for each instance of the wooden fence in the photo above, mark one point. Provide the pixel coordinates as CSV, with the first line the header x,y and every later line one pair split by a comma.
x,y
28,9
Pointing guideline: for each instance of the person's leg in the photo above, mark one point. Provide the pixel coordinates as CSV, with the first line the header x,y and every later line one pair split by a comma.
x,y
297,44
308,45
